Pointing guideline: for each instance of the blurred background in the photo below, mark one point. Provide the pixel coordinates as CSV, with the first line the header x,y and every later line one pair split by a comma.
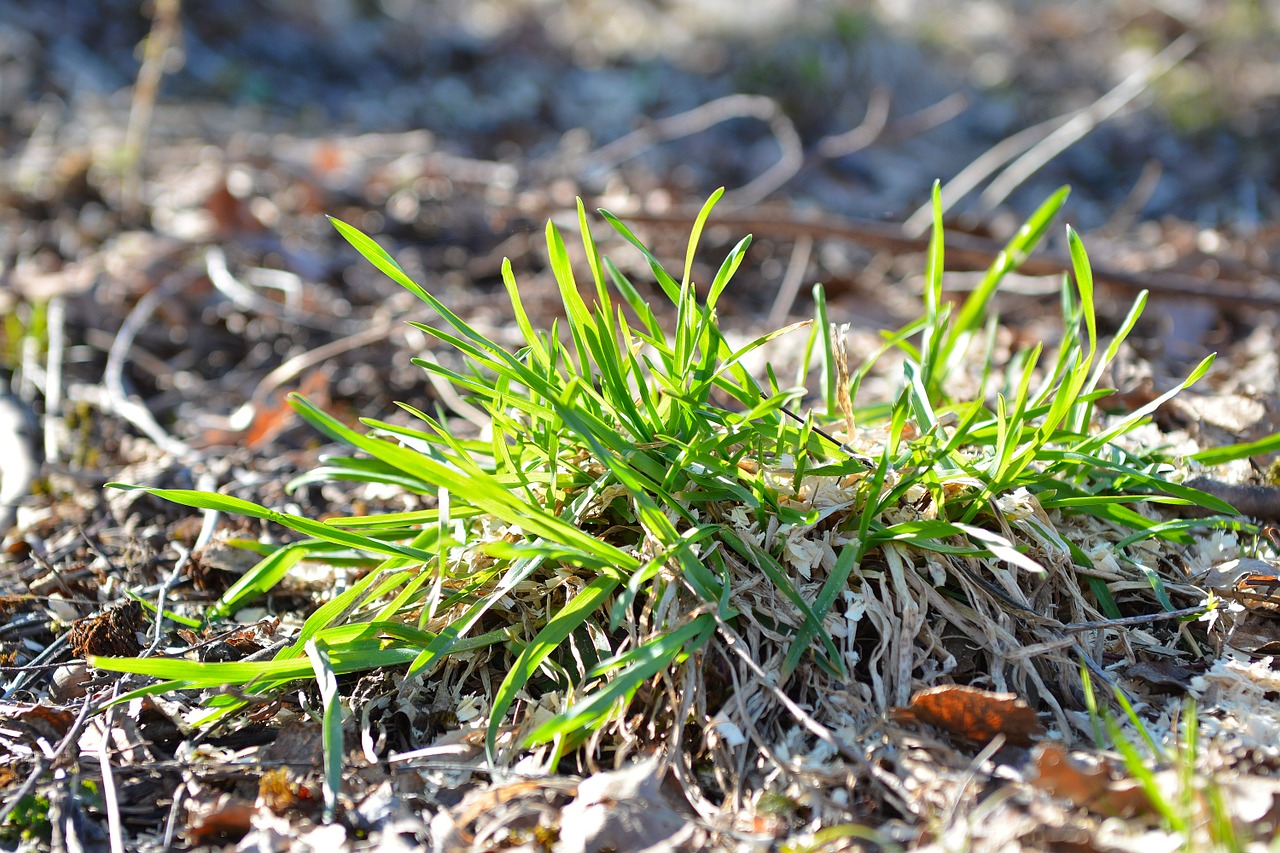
x,y
191,151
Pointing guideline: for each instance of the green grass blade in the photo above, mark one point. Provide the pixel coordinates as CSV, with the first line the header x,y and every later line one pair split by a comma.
x,y
1232,452
256,582
668,284
357,658
639,666
555,632
1009,259
331,726
317,529
695,236
1136,417
481,491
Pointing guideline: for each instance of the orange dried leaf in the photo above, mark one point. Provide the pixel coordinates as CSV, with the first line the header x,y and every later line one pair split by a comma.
x,y
976,714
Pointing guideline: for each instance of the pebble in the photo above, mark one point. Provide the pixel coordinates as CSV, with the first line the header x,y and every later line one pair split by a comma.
x,y
70,681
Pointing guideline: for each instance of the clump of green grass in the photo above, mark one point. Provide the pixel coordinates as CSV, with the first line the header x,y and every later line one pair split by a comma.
x,y
637,508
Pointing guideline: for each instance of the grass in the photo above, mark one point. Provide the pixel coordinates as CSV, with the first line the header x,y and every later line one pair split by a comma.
x,y
1188,803
644,510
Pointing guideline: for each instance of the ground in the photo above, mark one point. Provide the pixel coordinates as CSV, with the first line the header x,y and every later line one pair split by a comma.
x,y
167,276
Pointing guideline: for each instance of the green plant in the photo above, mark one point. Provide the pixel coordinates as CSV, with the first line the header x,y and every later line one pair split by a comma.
x,y
26,820
634,480
1188,802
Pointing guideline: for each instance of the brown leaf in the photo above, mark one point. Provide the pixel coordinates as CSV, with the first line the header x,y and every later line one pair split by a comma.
x,y
221,819
976,714
1165,675
49,723
1058,775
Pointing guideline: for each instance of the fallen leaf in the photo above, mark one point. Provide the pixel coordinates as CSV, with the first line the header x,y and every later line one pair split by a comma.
x,y
1165,675
49,723
623,810
220,819
975,714
1084,786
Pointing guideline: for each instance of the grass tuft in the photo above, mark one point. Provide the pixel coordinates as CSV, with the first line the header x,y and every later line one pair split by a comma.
x,y
641,500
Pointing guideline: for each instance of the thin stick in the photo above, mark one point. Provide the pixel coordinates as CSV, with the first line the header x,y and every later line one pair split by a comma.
x,y
109,795
866,133
708,115
1041,139
164,32
968,250
1084,121
133,410
918,223
801,250
1081,627
55,320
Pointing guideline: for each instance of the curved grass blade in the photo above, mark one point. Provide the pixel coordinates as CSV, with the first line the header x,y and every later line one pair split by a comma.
x,y
331,726
555,632
638,666
316,529
256,582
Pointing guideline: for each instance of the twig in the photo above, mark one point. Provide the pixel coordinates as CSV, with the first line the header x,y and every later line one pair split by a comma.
x,y
967,249
791,158
171,824
1146,619
133,410
698,119
873,124
791,282
109,795
1039,138
1256,500
919,222
925,119
55,321
1138,196
164,32
291,368
1084,121
244,296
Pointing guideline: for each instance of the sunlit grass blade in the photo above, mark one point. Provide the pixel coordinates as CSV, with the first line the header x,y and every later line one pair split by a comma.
x,y
1134,418
1010,258
481,491
256,582
635,668
557,629
331,726
317,529
357,657
695,236
1244,450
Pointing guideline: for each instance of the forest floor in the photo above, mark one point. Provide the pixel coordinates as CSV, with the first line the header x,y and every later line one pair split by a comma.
x,y
167,276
